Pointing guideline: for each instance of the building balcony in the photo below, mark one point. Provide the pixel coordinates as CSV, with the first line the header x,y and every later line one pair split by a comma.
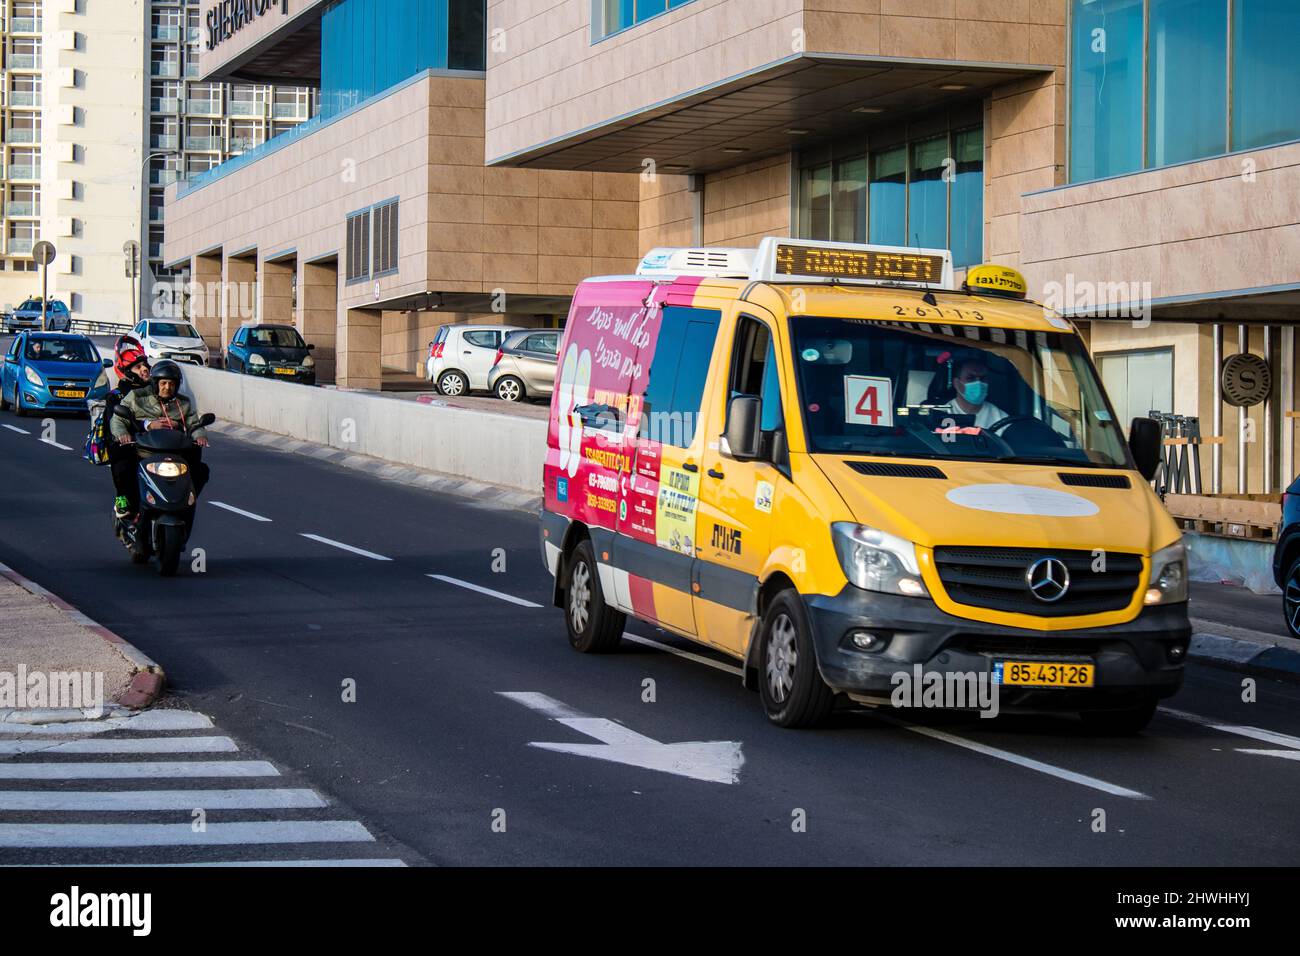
x,y
163,177
203,107
19,209
164,141
22,135
156,213
20,247
158,105
168,70
25,25
242,144
291,111
23,61
192,67
24,98
165,32
208,143
246,108
23,173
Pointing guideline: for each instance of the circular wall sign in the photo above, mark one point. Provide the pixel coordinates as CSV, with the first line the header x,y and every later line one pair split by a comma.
x,y
1247,380
43,253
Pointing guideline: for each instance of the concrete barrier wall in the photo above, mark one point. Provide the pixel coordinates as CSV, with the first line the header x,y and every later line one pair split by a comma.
x,y
499,449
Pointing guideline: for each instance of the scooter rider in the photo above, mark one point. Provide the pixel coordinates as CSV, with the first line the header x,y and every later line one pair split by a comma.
x,y
132,367
159,406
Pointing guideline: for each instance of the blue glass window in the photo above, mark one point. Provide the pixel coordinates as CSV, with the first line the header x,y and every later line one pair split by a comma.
x,y
887,197
621,14
1265,72
967,199
927,195
1187,82
678,371
1105,88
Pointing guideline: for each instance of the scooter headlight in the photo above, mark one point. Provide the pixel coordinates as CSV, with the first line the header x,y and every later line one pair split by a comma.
x,y
877,561
1168,575
167,469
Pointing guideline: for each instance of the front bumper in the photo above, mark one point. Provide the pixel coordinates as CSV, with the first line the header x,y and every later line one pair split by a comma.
x,y
300,375
1137,660
42,399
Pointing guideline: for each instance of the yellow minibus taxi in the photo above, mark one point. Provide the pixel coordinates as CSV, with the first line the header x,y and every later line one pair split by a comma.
x,y
826,461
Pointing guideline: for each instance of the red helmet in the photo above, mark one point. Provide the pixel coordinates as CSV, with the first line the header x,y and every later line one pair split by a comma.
x,y
127,358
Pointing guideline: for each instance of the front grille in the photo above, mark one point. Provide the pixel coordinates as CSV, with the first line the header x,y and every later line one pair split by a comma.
x,y
996,578
1094,481
886,469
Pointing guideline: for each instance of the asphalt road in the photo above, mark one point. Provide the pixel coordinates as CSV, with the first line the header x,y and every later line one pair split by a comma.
x,y
431,755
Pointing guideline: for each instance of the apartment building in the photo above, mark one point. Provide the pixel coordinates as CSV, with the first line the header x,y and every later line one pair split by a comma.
x,y
99,112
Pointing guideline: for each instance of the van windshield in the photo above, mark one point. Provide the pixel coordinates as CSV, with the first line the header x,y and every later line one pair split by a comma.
x,y
958,392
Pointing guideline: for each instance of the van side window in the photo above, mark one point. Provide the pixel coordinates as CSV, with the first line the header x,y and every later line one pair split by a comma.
x,y
754,371
671,412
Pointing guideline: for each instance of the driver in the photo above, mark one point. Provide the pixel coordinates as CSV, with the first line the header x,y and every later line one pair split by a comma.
x,y
971,381
161,406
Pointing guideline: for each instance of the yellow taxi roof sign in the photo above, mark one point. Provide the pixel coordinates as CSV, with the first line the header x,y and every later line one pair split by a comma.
x,y
994,279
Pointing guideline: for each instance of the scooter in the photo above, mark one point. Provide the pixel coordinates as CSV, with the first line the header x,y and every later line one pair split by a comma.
x,y
167,497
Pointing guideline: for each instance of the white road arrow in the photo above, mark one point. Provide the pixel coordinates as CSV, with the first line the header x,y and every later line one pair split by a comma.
x,y
714,761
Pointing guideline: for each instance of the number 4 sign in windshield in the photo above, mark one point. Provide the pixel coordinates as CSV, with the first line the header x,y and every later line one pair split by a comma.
x,y
868,401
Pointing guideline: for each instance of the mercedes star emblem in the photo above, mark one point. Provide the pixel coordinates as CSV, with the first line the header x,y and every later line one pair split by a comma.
x,y
1048,579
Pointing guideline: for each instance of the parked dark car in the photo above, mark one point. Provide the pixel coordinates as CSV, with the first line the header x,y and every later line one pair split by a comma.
x,y
272,351
1286,558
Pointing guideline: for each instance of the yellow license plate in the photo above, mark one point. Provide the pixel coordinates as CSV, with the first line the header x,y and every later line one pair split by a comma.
x,y
286,371
1045,674
69,393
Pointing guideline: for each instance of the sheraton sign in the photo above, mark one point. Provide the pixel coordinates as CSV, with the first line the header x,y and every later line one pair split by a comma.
x,y
228,17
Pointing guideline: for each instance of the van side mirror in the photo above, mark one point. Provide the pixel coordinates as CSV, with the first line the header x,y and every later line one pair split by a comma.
x,y
1145,442
742,434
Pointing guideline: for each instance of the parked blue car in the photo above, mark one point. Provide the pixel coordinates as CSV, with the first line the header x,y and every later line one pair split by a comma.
x,y
52,372
28,316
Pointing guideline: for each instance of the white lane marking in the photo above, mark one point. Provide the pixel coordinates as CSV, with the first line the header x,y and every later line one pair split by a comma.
x,y
347,547
137,770
130,800
180,834
482,590
1254,733
150,720
698,658
51,441
1018,760
126,745
15,428
369,864
1284,754
238,511
711,761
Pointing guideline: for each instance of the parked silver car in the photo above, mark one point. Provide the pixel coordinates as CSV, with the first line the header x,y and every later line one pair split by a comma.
x,y
461,356
525,365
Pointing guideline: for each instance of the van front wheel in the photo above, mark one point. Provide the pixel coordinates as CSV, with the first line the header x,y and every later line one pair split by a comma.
x,y
792,689
594,626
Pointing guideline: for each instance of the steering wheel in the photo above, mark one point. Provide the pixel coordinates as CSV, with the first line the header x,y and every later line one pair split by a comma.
x,y
1040,425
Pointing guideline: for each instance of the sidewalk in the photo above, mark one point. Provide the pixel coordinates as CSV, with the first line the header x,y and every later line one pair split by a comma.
x,y
42,636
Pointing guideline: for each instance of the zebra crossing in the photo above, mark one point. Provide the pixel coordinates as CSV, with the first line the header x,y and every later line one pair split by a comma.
x,y
161,788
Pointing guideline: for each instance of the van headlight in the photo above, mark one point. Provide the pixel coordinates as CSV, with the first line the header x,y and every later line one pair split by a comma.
x,y
167,469
1168,575
34,377
877,561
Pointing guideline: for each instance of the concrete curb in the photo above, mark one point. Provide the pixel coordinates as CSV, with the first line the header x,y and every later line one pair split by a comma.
x,y
1237,649
149,679
480,493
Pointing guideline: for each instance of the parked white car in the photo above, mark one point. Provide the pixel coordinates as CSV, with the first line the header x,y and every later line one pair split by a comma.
x,y
462,355
171,339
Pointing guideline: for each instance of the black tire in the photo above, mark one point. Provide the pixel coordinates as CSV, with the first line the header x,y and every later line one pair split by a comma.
x,y
1290,597
19,409
594,627
793,692
453,384
4,403
1120,723
169,551
510,389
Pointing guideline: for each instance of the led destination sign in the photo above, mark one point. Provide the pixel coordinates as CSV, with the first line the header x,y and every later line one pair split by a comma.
x,y
228,17
869,264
